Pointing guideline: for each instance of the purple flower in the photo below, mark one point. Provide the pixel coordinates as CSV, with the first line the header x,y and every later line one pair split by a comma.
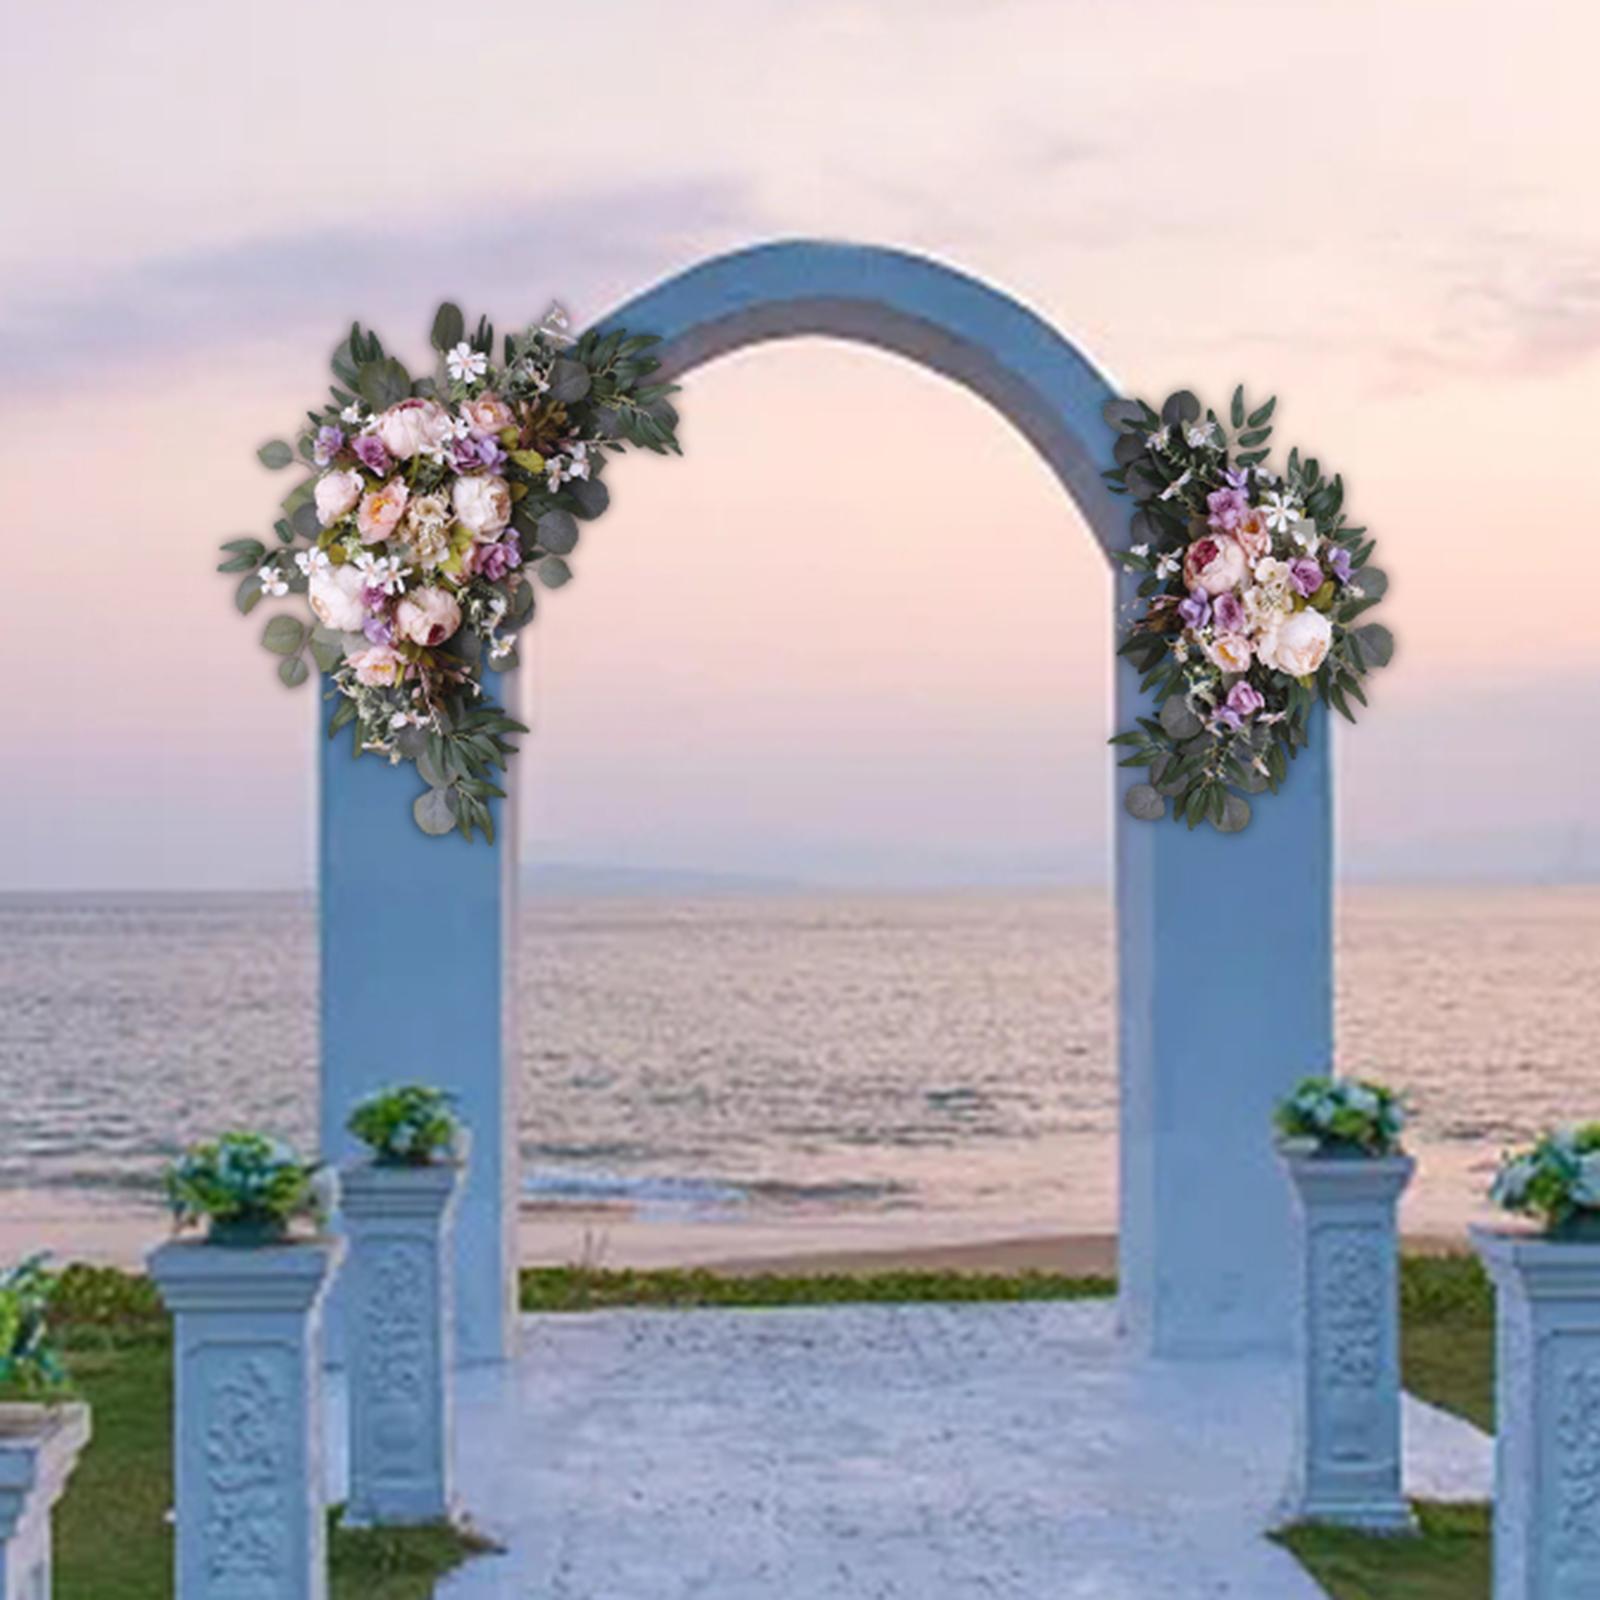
x,y
1339,560
1236,480
1244,699
1228,718
1196,610
377,630
490,454
494,561
329,442
1307,575
1228,613
1226,506
372,454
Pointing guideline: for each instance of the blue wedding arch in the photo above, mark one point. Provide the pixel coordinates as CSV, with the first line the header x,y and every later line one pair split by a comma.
x,y
1224,942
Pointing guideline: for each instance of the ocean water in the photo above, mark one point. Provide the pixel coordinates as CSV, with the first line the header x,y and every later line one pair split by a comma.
x,y
778,1057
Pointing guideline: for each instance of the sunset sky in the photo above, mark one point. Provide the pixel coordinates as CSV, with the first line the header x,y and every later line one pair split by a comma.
x,y
857,632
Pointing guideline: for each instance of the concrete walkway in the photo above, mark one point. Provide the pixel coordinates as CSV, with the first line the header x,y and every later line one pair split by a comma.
x,y
880,1452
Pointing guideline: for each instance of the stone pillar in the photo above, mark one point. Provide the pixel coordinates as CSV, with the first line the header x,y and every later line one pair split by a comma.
x,y
1347,1466
1547,1415
419,933
247,1435
39,1446
400,1318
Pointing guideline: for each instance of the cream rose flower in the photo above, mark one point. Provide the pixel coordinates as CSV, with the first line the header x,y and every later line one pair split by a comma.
x,y
379,667
1230,651
1215,563
426,529
1298,645
381,511
488,414
482,504
412,426
334,494
335,597
428,616
1252,534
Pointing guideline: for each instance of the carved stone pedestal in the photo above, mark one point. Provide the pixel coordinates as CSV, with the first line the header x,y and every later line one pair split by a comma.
x,y
1347,1341
247,1439
401,1353
1547,1415
39,1446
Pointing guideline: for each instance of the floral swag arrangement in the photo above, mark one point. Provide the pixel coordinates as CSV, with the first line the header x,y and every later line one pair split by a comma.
x,y
1250,587
433,507
1342,1116
1556,1180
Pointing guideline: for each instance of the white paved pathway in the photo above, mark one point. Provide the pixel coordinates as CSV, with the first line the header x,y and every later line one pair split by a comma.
x,y
1009,1452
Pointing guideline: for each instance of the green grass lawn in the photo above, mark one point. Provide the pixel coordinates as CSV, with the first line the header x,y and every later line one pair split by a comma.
x,y
113,1538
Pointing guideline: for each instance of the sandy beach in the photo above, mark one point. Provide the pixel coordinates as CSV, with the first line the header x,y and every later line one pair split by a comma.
x,y
73,1226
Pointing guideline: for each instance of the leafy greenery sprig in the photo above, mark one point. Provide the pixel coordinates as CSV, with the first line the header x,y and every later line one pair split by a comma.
x,y
1343,1114
560,407
30,1369
411,1125
243,1178
1556,1179
1200,753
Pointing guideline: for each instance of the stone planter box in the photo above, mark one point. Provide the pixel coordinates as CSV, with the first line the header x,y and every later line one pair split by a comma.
x,y
1347,1466
400,1311
247,1437
39,1447
1547,1415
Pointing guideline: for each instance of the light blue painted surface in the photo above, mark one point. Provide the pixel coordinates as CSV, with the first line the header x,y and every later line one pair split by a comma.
x,y
1224,943
247,1440
1347,1467
417,934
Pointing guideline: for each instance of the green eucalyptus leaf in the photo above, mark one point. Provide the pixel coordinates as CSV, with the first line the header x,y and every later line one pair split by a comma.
x,y
1123,413
1180,407
558,532
284,635
303,520
435,811
1373,582
433,774
294,671
590,496
553,572
275,454
569,381
1376,642
1178,720
249,594
327,648
1235,814
1143,802
383,383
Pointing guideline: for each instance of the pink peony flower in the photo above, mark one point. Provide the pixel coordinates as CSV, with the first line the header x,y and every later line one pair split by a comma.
x,y
334,494
482,504
428,616
381,510
1215,563
487,414
1230,652
1251,532
379,667
1298,645
412,426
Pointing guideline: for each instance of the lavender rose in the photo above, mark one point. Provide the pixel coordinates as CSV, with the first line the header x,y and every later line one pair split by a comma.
x,y
1339,562
1244,699
373,454
1196,610
329,442
1305,574
1229,613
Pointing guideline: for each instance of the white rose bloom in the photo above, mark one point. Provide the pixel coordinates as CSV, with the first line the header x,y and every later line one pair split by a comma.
x,y
1298,645
335,493
335,597
413,426
482,504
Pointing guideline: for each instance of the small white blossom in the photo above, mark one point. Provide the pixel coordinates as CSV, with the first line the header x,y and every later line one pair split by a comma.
x,y
1140,550
1169,564
1177,486
1158,440
352,412
311,561
384,573
557,326
500,648
465,364
272,581
1281,512
1197,435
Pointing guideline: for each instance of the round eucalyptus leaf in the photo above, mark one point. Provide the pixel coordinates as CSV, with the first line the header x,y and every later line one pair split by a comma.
x,y
590,496
558,532
1159,781
435,811
1373,582
304,521
1377,644
1144,803
1123,413
1128,448
327,648
249,594
1235,814
275,454
553,572
449,327
1178,720
284,635
569,381
1180,407
411,742
508,662
1254,783
435,777
294,671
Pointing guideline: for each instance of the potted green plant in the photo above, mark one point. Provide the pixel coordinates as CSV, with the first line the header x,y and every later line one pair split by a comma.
x,y
1341,1119
1555,1180
1339,1139
43,1428
246,1188
398,1206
